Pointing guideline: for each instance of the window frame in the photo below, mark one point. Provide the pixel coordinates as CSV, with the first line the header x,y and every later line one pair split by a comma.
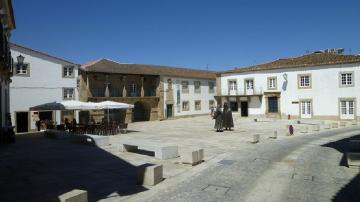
x,y
275,83
352,79
27,70
72,71
299,81
195,102
211,105
188,105
185,90
197,90
73,94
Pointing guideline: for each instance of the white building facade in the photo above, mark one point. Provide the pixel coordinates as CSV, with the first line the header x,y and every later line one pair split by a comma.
x,y
314,86
188,96
38,79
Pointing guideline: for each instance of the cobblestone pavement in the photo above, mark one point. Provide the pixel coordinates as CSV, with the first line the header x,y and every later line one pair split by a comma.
x,y
35,168
310,168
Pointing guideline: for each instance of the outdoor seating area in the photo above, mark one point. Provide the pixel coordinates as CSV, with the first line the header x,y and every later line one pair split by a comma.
x,y
106,127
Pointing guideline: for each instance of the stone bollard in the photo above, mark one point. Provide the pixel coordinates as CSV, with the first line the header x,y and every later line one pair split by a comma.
x,y
256,138
353,160
149,174
192,157
304,129
75,195
316,128
342,124
274,135
327,126
335,125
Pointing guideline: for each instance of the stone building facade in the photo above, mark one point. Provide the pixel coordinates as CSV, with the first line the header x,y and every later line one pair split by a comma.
x,y
137,84
6,68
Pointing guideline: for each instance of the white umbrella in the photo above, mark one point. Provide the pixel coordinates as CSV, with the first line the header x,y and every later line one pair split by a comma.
x,y
112,105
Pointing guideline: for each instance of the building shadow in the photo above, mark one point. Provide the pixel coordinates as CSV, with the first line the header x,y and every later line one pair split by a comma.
x,y
38,169
349,192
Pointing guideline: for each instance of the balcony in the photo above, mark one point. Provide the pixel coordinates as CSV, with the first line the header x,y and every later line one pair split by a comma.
x,y
129,100
242,92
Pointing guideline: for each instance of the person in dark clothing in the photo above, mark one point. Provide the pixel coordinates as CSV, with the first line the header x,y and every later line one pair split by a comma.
x,y
218,119
227,117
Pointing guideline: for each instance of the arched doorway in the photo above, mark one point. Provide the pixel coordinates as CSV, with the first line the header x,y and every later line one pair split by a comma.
x,y
141,112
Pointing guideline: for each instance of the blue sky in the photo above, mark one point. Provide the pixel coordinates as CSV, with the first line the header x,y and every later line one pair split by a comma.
x,y
186,33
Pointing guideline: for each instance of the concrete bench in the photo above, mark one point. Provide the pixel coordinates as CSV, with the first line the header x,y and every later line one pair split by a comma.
x,y
343,124
354,123
265,120
149,174
192,156
256,138
75,195
327,126
304,129
161,150
315,128
335,125
353,160
310,122
96,140
354,146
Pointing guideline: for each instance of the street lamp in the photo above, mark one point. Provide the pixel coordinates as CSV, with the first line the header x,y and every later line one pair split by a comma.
x,y
20,59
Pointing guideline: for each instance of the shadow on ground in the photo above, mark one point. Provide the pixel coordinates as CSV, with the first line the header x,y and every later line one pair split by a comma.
x,y
350,192
36,169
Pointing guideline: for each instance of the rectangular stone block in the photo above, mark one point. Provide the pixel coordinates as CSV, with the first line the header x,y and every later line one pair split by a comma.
x,y
189,156
354,123
274,135
335,125
353,159
327,126
75,195
304,129
354,146
149,174
256,138
315,128
201,155
166,152
343,124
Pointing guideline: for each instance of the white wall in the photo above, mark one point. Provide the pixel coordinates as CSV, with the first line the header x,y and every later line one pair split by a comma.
x,y
204,96
45,84
324,93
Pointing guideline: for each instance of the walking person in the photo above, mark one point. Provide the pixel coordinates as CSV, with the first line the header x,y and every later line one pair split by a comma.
x,y
218,119
227,117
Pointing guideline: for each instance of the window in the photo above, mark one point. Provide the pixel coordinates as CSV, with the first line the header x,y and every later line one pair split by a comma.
x,y
133,92
232,85
346,79
304,81
185,106
211,104
211,87
197,86
249,84
22,69
197,105
185,86
272,83
68,71
68,93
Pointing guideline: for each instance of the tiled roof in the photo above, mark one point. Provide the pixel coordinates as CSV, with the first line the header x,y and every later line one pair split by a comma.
x,y
314,59
109,66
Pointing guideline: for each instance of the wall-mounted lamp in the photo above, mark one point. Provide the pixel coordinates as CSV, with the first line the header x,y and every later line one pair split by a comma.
x,y
20,59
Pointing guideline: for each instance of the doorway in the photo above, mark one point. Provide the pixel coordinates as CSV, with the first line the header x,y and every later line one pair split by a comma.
x,y
347,109
305,109
169,110
22,122
244,109
141,112
273,105
234,106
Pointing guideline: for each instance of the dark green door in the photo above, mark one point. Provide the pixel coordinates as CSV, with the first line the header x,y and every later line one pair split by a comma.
x,y
273,104
169,110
